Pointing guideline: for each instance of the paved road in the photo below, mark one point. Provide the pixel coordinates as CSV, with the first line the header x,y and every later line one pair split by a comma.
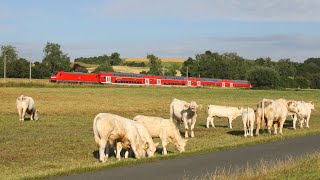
x,y
198,165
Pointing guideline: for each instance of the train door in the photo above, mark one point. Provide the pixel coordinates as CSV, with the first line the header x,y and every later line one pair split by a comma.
x,y
147,81
189,83
198,83
108,79
223,84
158,82
231,84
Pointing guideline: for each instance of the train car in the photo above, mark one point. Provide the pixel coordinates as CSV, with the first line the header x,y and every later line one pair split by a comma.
x,y
152,80
210,82
242,83
121,78
174,81
74,77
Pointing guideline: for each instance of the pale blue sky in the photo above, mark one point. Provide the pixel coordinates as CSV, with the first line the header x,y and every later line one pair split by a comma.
x,y
166,28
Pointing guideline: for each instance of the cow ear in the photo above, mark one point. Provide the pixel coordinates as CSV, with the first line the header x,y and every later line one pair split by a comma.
x,y
146,145
187,105
200,106
311,102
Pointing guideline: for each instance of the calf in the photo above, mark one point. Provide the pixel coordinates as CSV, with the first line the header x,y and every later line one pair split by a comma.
x,y
186,113
223,111
304,113
163,129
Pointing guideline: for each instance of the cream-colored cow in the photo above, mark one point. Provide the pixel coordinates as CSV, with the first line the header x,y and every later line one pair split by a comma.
x,y
303,116
275,113
26,104
223,111
248,118
164,129
109,129
186,113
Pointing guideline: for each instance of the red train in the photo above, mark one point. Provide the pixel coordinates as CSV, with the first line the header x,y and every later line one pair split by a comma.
x,y
141,79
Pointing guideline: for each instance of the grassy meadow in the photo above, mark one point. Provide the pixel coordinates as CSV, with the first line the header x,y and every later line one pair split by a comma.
x,y
61,142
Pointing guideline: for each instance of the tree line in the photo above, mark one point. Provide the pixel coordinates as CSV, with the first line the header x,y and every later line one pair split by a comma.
x,y
262,72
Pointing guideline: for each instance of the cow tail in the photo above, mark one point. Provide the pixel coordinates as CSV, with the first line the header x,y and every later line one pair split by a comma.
x,y
262,111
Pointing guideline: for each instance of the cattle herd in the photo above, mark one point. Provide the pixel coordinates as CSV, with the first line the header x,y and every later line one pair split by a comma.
x,y
135,136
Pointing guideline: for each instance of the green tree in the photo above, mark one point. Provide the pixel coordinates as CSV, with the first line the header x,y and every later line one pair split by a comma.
x,y
191,66
171,70
78,68
155,65
40,71
115,59
11,55
55,59
263,76
18,68
104,67
286,68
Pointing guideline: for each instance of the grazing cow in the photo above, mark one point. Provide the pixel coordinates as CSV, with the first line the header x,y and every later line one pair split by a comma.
x,y
304,113
275,113
223,111
109,129
163,129
26,104
186,113
151,148
248,118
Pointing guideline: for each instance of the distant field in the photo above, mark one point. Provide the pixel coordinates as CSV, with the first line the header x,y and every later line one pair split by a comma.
x,y
61,141
162,59
127,69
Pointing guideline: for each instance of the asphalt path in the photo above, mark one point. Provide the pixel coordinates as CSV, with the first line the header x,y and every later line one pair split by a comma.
x,y
197,166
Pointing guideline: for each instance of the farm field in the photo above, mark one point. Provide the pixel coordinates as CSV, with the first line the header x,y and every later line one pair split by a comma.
x,y
61,142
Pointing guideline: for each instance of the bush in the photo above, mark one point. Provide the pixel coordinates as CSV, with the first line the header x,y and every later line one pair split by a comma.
x,y
263,76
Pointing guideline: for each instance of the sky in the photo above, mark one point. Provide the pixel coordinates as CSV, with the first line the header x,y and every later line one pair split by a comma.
x,y
168,28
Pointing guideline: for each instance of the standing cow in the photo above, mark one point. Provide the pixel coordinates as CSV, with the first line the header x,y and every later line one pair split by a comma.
x,y
109,129
275,113
248,118
26,104
223,111
305,109
186,113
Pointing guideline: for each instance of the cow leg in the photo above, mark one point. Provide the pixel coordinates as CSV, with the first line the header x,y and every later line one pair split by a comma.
x,y
230,122
119,148
208,121
178,124
294,119
245,128
164,147
23,114
308,118
269,124
134,149
275,126
20,115
102,147
251,129
281,126
212,119
186,128
192,127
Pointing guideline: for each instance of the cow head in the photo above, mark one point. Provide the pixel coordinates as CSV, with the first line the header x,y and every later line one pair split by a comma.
x,y
193,106
180,145
311,104
36,117
292,106
150,148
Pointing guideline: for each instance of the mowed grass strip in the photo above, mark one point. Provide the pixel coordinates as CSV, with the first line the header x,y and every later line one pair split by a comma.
x,y
305,167
61,141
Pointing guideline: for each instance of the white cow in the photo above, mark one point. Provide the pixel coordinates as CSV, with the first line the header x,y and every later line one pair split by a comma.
x,y
151,148
275,113
305,109
186,113
163,129
248,118
223,111
26,104
109,128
